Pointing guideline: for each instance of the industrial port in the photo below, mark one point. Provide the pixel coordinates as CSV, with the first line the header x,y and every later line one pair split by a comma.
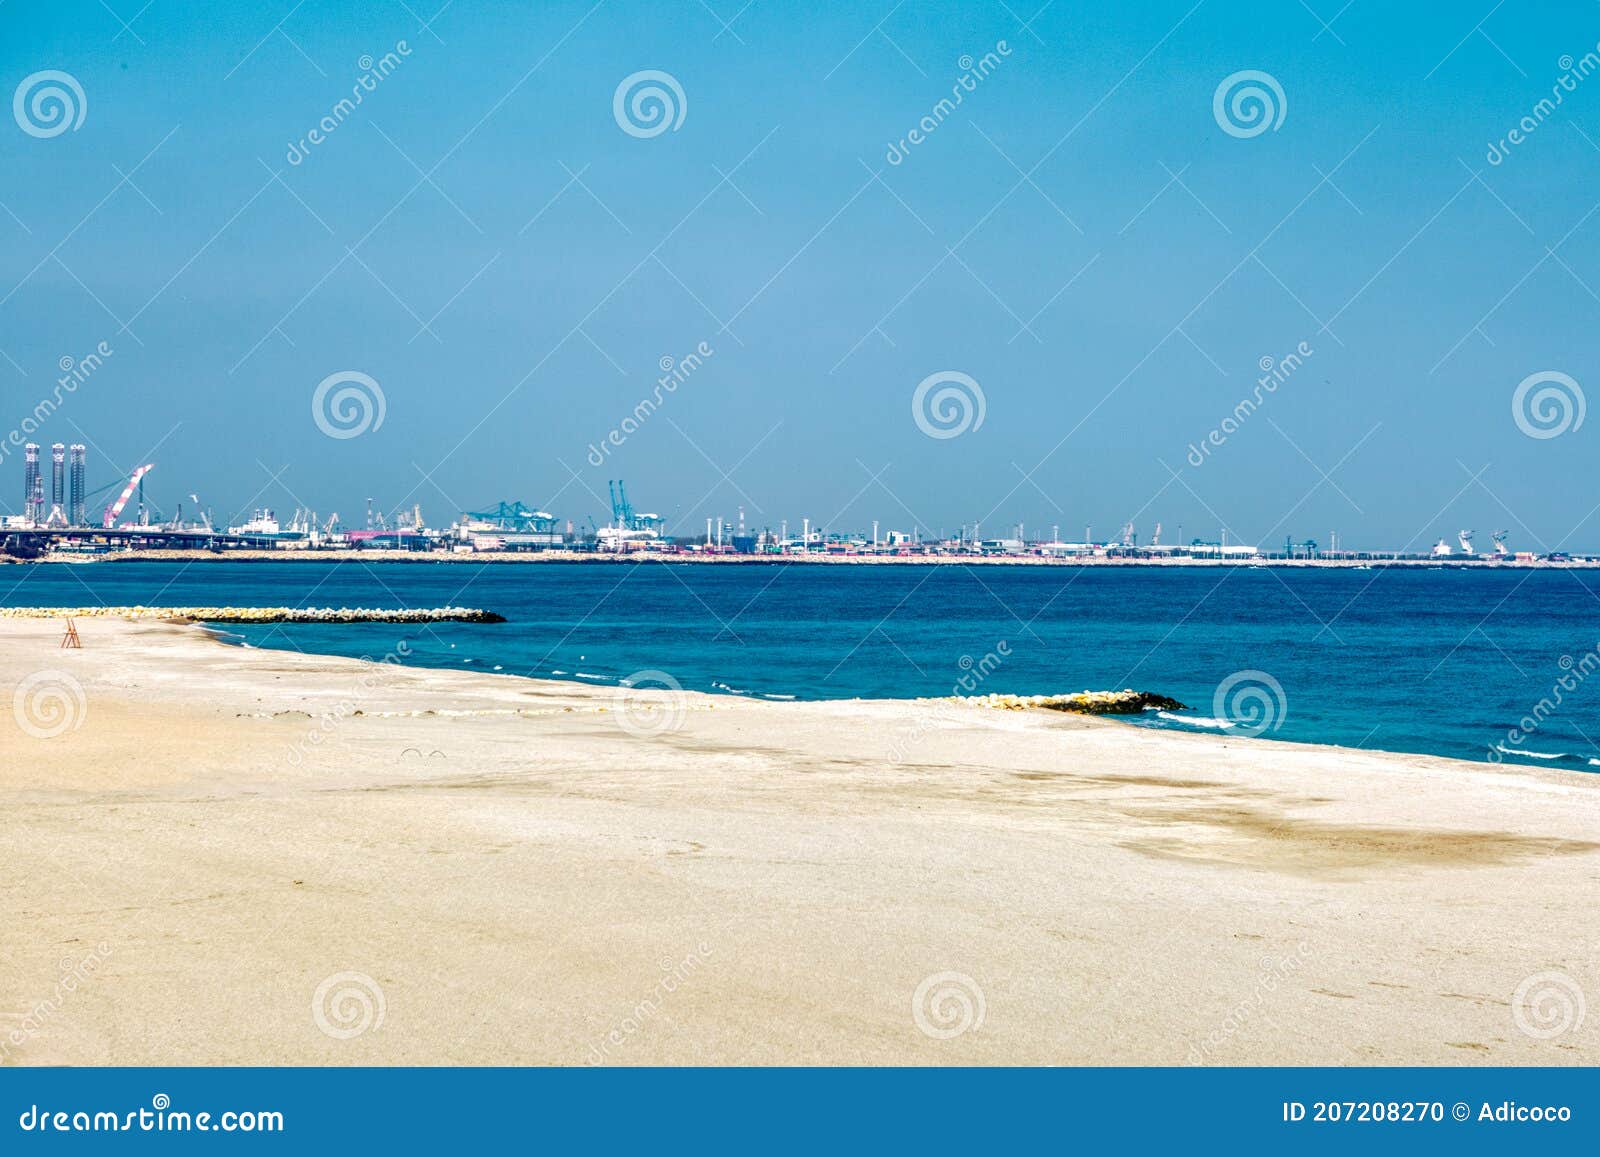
x,y
66,527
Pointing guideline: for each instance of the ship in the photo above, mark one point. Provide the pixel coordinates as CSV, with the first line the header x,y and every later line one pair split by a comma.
x,y
264,524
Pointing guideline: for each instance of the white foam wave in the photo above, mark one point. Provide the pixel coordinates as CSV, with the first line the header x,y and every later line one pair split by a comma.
x,y
1503,749
1196,720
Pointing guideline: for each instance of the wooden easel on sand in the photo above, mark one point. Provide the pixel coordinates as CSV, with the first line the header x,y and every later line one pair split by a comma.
x,y
70,639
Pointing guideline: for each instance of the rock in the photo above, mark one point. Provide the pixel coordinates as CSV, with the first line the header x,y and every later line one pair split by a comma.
x,y
260,614
1125,702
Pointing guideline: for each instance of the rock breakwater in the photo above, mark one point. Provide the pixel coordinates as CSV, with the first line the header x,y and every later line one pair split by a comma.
x,y
261,614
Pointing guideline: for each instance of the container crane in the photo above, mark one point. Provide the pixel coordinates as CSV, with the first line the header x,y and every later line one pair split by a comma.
x,y
621,511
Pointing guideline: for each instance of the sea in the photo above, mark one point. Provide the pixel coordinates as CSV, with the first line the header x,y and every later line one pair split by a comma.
x,y
1479,662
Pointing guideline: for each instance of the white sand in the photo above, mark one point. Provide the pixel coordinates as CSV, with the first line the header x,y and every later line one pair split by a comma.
x,y
529,882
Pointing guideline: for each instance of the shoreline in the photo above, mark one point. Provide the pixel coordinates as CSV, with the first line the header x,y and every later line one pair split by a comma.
x,y
512,864
1199,724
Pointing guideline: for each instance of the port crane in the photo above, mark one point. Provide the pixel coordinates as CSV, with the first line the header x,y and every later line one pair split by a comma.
x,y
134,482
510,516
621,509
1500,550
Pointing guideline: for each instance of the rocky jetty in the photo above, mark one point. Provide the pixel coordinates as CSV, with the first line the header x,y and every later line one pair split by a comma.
x,y
1125,702
261,614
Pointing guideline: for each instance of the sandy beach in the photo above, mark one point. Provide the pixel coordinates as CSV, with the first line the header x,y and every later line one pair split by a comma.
x,y
230,856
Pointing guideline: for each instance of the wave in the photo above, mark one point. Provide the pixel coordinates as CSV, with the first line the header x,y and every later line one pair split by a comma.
x,y
1197,720
1565,756
590,676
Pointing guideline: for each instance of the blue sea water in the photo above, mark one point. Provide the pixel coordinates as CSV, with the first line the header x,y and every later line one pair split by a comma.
x,y
1450,662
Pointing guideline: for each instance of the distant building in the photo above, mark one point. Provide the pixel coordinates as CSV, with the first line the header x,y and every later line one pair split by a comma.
x,y
32,484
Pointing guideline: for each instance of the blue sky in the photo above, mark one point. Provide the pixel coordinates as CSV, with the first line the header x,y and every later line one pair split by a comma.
x,y
1080,237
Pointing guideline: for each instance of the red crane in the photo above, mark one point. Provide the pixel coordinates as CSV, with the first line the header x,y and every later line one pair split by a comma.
x,y
127,492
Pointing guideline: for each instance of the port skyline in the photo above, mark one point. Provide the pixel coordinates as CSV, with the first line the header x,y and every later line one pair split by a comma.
x,y
60,523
